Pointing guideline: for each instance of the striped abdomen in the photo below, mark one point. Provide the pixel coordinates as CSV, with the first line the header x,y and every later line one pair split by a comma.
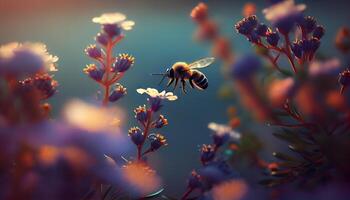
x,y
199,80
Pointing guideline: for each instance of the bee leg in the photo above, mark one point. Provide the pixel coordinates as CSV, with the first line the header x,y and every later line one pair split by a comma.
x,y
170,82
176,82
183,86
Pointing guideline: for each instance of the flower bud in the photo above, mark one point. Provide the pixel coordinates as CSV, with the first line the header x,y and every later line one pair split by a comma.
x,y
318,32
102,38
194,181
297,49
141,114
93,52
112,30
200,12
94,72
117,93
160,122
136,135
273,38
207,153
261,30
307,24
46,85
157,141
123,63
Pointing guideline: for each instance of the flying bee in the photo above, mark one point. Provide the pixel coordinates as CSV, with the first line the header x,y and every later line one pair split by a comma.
x,y
183,71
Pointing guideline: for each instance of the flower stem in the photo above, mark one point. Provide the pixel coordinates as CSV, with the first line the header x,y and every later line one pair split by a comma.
x,y
146,130
187,193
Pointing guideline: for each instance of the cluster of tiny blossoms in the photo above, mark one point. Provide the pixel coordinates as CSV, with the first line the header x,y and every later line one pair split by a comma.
x,y
284,17
109,69
148,122
215,172
26,81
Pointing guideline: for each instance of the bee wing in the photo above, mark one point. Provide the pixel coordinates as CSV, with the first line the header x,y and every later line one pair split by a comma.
x,y
204,62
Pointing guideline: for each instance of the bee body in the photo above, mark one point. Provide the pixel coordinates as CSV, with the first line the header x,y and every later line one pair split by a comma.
x,y
188,72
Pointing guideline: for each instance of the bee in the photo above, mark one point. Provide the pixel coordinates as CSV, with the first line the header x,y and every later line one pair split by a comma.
x,y
183,71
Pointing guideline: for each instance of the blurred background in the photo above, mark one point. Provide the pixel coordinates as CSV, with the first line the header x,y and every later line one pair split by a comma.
x,y
163,35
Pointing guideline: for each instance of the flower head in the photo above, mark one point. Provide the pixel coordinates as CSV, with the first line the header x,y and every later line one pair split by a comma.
x,y
157,141
344,78
26,58
247,25
140,179
94,72
156,98
136,135
153,93
160,122
117,93
93,52
102,38
45,84
324,68
141,114
194,181
222,133
123,63
284,14
113,23
245,66
200,12
272,38
207,153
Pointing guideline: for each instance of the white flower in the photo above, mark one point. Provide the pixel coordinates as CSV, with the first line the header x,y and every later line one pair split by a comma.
x,y
327,67
221,130
114,18
155,94
27,58
282,10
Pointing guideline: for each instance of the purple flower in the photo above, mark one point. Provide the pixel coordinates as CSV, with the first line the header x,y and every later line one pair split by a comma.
x,y
284,15
222,133
117,93
112,30
272,38
344,78
318,32
136,135
141,114
45,84
94,72
123,63
207,153
245,66
307,24
26,59
102,38
261,30
160,122
93,52
310,46
194,181
157,141
247,25
297,49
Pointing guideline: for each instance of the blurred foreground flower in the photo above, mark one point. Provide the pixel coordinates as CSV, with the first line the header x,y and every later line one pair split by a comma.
x,y
26,59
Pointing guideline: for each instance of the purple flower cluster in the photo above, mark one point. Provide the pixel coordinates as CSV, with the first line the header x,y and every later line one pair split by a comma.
x,y
145,117
286,18
109,69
